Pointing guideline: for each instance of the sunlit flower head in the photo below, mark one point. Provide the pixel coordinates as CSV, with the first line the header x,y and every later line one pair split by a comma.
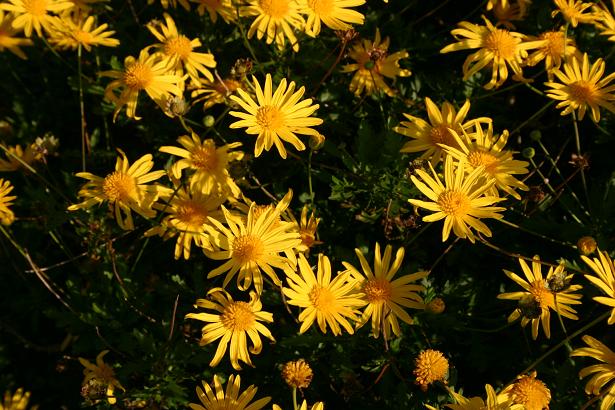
x,y
581,86
147,73
335,14
8,40
215,397
178,51
34,14
297,374
498,49
216,92
250,247
554,47
125,189
587,245
538,299
483,149
72,30
426,137
529,392
574,11
386,297
233,322
276,116
275,20
215,8
430,366
101,374
603,374
604,279
460,200
16,401
605,22
372,64
493,401
6,214
306,226
208,162
330,303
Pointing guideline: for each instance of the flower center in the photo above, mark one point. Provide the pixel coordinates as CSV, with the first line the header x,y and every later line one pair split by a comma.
x,y
270,118
179,46
138,76
441,135
35,7
238,316
83,37
118,186
205,158
556,44
532,393
322,299
322,7
478,158
501,43
377,290
582,92
541,293
454,203
247,248
274,8
192,214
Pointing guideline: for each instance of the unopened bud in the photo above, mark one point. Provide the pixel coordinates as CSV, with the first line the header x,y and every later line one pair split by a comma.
x,y
209,121
587,245
436,306
535,135
316,142
528,153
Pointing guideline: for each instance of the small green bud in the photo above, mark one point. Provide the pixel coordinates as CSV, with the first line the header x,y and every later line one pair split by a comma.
x,y
369,64
535,135
209,121
528,153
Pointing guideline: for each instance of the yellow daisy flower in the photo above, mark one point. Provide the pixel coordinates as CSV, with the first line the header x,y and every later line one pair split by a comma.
x,y
276,116
209,163
232,324
603,280
276,19
574,11
553,47
188,213
7,33
605,21
373,63
297,374
73,29
147,73
529,392
216,398
16,401
215,8
460,201
34,14
601,383
101,374
494,401
177,50
498,49
328,302
538,299
483,149
215,92
6,214
251,246
125,189
506,12
335,14
427,137
430,366
581,86
306,226
386,297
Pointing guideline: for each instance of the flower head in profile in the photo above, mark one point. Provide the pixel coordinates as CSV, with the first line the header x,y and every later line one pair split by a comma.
x,y
386,297
372,64
430,366
483,149
216,92
498,48
72,30
330,303
428,137
508,11
16,401
100,374
603,374
306,226
215,8
538,299
233,322
574,11
251,246
581,86
335,14
276,116
6,214
215,397
605,21
7,36
529,392
275,20
208,162
34,14
604,279
178,51
125,189
460,200
554,47
146,73
297,374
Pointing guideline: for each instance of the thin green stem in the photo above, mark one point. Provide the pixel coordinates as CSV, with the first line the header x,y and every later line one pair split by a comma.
x,y
577,138
533,117
82,111
309,167
295,406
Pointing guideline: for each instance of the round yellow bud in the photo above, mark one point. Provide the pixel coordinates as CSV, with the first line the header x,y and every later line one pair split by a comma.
x,y
297,374
436,306
587,245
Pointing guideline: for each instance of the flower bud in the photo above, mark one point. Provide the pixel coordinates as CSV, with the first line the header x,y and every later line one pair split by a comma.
x,y
587,245
436,306
297,374
528,153
316,142
209,121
